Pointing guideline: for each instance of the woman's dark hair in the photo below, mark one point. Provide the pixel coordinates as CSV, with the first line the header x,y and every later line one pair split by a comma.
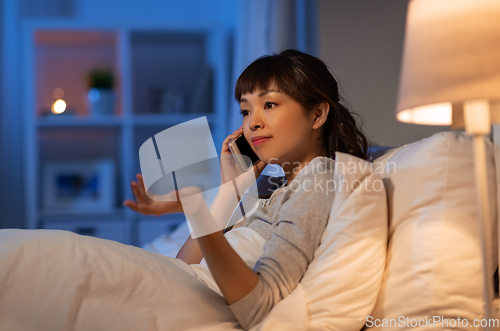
x,y
307,80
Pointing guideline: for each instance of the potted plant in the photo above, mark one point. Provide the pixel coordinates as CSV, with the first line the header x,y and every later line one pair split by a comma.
x,y
101,95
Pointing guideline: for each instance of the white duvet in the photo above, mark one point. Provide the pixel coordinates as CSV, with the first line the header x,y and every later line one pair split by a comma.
x,y
57,280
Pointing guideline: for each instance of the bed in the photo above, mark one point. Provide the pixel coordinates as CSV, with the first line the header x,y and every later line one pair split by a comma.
x,y
409,248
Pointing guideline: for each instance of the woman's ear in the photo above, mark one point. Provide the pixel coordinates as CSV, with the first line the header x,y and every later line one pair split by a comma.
x,y
321,114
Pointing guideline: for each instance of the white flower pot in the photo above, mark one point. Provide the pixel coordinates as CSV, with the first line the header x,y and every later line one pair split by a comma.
x,y
101,101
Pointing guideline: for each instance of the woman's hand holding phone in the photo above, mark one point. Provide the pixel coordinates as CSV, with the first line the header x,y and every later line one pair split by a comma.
x,y
225,145
146,206
229,166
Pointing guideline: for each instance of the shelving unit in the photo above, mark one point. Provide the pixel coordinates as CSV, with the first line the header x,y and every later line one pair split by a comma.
x,y
163,76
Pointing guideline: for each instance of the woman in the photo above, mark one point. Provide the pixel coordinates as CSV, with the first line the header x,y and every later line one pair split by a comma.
x,y
291,117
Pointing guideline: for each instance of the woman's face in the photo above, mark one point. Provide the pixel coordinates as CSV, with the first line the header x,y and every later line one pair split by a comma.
x,y
278,128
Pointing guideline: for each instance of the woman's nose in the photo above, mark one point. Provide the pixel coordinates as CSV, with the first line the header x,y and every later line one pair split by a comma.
x,y
257,121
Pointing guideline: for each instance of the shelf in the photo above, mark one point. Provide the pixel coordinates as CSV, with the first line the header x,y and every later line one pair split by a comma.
x,y
63,60
167,119
169,71
163,77
63,121
78,216
59,121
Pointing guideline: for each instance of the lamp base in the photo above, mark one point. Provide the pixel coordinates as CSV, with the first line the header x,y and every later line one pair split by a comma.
x,y
478,125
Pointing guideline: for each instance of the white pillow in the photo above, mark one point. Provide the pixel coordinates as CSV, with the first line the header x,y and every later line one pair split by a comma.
x,y
342,282
434,265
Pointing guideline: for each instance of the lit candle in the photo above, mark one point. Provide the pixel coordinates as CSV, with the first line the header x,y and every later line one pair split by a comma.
x,y
59,106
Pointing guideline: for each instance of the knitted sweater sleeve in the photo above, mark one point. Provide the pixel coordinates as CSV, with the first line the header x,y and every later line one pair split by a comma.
x,y
297,232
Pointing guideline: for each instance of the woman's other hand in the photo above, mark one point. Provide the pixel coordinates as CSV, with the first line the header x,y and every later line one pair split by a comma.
x,y
146,206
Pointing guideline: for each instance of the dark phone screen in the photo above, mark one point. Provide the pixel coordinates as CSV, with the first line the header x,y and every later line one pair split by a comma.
x,y
246,150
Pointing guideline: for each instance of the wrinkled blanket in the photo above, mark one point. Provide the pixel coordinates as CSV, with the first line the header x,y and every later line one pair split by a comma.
x,y
57,280
54,280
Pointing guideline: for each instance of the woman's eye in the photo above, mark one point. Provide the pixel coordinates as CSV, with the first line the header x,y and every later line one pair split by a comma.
x,y
269,105
244,112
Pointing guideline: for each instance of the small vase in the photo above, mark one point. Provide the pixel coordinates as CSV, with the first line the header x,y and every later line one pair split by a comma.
x,y
101,101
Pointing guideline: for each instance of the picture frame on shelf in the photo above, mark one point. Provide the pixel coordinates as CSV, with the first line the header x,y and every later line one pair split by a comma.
x,y
79,186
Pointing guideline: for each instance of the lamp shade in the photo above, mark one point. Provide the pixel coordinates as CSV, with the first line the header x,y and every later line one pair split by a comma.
x,y
451,55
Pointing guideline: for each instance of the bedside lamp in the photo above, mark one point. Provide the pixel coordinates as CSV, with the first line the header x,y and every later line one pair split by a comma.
x,y
451,76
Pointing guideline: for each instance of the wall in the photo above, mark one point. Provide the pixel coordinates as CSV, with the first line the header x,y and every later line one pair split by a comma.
x,y
178,13
362,42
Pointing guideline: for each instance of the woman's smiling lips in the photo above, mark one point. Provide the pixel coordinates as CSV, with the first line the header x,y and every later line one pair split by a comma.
x,y
259,140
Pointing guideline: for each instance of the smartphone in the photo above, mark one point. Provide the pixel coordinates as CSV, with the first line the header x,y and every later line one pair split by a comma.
x,y
240,147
